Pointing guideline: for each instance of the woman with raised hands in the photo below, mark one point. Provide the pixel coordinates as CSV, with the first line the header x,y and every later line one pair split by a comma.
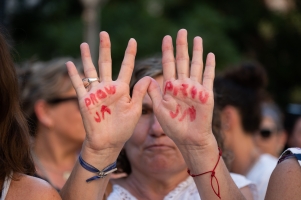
x,y
148,158
184,110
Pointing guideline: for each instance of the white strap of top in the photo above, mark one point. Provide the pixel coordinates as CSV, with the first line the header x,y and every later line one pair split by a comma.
x,y
295,151
5,187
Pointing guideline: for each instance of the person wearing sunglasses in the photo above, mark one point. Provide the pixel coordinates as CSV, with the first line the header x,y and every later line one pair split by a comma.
x,y
53,115
271,138
238,94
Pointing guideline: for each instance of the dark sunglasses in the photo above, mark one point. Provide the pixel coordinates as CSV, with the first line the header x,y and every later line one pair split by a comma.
x,y
266,133
61,100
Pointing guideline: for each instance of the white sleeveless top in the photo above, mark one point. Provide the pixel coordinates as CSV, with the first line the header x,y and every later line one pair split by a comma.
x,y
5,187
185,190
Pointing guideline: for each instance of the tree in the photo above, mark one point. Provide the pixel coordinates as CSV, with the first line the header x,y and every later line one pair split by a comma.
x,y
233,30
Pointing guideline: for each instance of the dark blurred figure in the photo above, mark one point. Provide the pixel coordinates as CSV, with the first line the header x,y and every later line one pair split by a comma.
x,y
238,94
271,138
2,10
292,125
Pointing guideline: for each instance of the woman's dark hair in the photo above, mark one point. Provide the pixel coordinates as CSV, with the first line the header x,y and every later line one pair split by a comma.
x,y
14,137
242,87
153,67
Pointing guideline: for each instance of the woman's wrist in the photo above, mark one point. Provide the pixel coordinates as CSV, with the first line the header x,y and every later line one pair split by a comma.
x,y
200,158
99,158
197,144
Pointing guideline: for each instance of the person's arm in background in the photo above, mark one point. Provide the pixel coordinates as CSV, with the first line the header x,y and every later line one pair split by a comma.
x,y
109,115
184,110
285,181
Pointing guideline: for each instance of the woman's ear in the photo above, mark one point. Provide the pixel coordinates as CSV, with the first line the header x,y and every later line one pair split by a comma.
x,y
225,119
229,118
41,109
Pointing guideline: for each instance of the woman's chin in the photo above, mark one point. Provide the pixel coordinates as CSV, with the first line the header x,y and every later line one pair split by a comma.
x,y
161,164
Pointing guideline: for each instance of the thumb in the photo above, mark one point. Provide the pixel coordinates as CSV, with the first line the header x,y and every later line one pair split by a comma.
x,y
140,90
154,92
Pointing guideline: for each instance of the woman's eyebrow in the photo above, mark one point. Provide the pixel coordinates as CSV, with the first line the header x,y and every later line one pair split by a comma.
x,y
147,106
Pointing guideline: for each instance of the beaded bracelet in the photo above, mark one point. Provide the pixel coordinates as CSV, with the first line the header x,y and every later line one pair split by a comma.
x,y
100,174
212,174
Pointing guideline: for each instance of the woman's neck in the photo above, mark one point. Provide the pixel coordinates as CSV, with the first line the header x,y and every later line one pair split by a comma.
x,y
54,158
246,154
150,186
51,148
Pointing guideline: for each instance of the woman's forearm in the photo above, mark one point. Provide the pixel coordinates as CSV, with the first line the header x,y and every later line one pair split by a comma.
x,y
217,182
76,186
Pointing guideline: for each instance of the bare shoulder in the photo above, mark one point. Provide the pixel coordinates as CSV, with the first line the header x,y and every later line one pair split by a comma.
x,y
285,181
28,187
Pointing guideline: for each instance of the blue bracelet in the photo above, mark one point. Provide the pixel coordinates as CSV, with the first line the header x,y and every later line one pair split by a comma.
x,y
100,174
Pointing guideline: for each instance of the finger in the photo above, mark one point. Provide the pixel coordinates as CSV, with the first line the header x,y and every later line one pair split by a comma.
x,y
182,57
140,90
105,61
128,62
76,80
168,59
154,92
209,72
197,60
89,68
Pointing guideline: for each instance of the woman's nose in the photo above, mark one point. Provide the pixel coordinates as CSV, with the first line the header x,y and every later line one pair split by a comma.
x,y
156,129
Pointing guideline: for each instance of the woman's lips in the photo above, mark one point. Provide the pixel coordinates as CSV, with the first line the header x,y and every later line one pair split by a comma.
x,y
158,147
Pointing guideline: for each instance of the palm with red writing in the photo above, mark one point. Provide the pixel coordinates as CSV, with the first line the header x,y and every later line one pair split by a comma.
x,y
184,108
109,113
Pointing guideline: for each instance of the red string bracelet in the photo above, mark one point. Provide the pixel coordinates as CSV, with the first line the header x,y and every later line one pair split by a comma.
x,y
212,175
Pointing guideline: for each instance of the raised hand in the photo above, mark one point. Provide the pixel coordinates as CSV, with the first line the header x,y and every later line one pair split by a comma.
x,y
184,107
109,113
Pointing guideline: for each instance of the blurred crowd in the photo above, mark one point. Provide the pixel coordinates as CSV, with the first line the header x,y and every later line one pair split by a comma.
x,y
253,131
248,125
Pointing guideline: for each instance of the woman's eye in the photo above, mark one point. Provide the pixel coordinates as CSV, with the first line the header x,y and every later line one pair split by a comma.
x,y
144,112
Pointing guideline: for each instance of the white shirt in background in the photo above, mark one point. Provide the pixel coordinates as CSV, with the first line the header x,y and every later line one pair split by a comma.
x,y
260,173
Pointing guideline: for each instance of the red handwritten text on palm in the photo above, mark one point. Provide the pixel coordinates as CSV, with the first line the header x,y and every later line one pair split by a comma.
x,y
98,96
189,112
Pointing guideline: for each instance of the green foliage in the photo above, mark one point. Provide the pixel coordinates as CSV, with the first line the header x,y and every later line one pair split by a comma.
x,y
233,30
125,20
47,30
